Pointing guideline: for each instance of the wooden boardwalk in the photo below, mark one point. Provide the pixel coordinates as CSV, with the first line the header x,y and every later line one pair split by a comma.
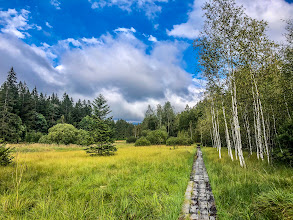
x,y
199,199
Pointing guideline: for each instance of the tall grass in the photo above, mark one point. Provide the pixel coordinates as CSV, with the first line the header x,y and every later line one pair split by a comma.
x,y
135,183
260,191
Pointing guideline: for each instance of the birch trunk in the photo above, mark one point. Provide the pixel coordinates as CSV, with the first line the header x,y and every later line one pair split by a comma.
x,y
263,122
247,126
227,134
234,139
236,124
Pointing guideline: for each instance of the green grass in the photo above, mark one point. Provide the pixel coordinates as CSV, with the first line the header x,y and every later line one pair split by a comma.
x,y
135,183
260,191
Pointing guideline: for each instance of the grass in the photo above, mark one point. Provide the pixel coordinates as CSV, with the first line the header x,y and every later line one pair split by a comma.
x,y
62,182
260,191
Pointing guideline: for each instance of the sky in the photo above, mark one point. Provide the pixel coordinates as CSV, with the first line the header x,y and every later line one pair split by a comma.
x,y
134,52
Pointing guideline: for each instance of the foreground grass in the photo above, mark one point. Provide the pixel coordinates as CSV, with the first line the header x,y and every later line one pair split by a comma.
x,y
260,191
135,183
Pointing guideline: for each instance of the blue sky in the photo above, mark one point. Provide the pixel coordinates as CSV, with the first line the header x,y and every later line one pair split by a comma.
x,y
135,52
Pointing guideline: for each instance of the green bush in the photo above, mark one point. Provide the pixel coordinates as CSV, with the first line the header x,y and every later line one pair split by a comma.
x,y
145,133
101,150
44,140
84,138
176,141
5,157
157,137
131,140
61,134
142,142
33,137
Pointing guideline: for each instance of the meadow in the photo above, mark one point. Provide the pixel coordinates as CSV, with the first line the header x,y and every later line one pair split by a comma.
x,y
63,182
260,191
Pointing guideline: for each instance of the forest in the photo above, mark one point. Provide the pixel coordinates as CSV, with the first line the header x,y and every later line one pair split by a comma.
x,y
29,116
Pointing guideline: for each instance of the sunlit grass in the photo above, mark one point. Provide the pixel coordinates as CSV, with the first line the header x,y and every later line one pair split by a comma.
x,y
135,183
260,191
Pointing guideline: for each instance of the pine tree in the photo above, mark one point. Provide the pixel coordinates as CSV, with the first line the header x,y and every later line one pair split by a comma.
x,y
100,108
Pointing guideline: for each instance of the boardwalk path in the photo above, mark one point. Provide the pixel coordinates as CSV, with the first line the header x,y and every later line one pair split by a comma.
x,y
199,198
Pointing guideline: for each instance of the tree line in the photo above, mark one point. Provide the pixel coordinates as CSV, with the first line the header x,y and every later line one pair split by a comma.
x,y
30,116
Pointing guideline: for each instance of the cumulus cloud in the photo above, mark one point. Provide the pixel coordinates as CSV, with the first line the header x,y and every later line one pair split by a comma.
x,y
16,23
128,76
56,4
150,7
272,11
31,63
117,66
191,28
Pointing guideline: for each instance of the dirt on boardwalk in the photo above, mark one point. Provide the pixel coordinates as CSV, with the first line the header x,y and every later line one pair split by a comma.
x,y
199,199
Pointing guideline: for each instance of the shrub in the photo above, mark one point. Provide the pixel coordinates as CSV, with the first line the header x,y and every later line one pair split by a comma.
x,y
157,137
131,140
33,137
5,157
145,133
142,142
61,134
101,150
84,138
176,141
44,140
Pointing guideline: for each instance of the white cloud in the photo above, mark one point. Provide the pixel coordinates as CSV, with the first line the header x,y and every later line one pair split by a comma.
x,y
273,11
31,63
125,30
56,4
150,7
48,25
152,38
191,28
16,23
91,40
128,76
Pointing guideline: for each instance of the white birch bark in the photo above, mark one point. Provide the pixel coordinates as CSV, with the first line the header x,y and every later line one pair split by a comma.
x,y
247,126
236,125
227,134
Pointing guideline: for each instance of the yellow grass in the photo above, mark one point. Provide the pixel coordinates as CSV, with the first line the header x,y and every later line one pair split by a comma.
x,y
63,182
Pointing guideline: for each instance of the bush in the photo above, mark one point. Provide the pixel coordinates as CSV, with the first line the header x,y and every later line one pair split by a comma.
x,y
44,140
142,142
5,157
145,133
176,141
61,134
157,137
131,140
84,138
33,137
101,150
